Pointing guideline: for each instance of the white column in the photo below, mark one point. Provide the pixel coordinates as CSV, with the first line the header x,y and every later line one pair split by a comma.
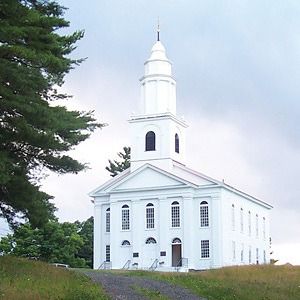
x,y
115,228
188,231
97,236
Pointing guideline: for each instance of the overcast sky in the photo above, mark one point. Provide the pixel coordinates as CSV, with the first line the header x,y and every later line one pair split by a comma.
x,y
237,66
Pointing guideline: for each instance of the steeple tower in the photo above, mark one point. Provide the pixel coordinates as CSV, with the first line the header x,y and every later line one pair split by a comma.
x,y
157,135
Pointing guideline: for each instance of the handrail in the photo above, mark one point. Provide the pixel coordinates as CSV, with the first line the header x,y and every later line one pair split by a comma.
x,y
127,265
106,265
183,262
154,265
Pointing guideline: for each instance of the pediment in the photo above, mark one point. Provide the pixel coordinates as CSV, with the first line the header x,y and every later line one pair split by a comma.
x,y
149,177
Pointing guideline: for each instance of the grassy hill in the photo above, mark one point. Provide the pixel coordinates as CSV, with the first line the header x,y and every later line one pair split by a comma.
x,y
265,282
24,279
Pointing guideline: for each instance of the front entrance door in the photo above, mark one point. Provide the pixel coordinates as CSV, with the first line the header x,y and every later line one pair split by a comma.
x,y
176,255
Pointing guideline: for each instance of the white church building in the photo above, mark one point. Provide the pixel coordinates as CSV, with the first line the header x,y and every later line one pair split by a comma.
x,y
161,215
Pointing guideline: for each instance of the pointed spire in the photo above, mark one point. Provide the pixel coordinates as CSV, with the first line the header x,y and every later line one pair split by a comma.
x,y
158,29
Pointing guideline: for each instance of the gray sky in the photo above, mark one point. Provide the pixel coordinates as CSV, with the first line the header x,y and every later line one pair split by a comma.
x,y
237,65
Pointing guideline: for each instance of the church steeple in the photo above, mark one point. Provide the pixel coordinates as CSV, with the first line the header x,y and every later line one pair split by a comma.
x,y
158,87
157,135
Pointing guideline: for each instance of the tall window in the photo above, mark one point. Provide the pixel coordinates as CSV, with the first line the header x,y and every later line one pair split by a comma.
x,y
150,141
176,143
107,253
232,217
204,219
175,214
242,220
107,219
264,228
249,223
256,226
204,248
265,258
257,256
125,217
233,250
250,255
149,215
242,253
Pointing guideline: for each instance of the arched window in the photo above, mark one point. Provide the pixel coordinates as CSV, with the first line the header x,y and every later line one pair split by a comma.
x,y
256,226
125,217
150,240
149,216
249,223
232,217
175,214
176,241
150,141
107,219
242,220
125,243
204,219
176,143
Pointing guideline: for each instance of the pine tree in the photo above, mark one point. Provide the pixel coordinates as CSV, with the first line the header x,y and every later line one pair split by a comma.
x,y
115,167
35,134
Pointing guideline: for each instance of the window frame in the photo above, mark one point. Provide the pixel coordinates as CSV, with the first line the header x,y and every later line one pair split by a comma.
x,y
107,220
175,215
125,217
204,214
150,141
107,253
205,249
177,144
150,216
150,241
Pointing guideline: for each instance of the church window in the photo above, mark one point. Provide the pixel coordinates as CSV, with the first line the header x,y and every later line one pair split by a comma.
x,y
176,143
256,226
204,248
107,253
249,223
257,256
107,219
149,216
175,214
242,253
176,241
150,141
250,255
242,220
204,219
264,228
232,217
233,250
150,240
125,217
125,243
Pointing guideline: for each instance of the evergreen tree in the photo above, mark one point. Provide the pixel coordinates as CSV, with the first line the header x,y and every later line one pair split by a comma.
x,y
35,134
115,167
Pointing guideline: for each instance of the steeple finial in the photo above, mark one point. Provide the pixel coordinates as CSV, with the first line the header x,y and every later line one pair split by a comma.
x,y
158,30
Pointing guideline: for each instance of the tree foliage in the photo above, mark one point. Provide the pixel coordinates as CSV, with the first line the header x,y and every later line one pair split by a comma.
x,y
69,243
115,167
35,134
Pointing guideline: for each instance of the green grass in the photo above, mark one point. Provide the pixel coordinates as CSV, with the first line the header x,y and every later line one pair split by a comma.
x,y
24,279
150,294
266,282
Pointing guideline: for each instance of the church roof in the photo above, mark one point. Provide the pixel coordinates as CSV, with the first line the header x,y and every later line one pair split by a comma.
x,y
181,176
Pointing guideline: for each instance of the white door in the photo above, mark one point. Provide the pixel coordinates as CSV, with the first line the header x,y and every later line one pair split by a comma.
x,y
149,255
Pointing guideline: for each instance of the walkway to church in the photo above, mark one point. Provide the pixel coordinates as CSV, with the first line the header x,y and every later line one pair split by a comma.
x,y
124,287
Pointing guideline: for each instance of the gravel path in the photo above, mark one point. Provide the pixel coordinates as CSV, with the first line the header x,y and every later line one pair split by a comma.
x,y
124,287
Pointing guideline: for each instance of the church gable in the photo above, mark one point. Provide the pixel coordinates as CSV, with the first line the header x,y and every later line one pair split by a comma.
x,y
149,177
